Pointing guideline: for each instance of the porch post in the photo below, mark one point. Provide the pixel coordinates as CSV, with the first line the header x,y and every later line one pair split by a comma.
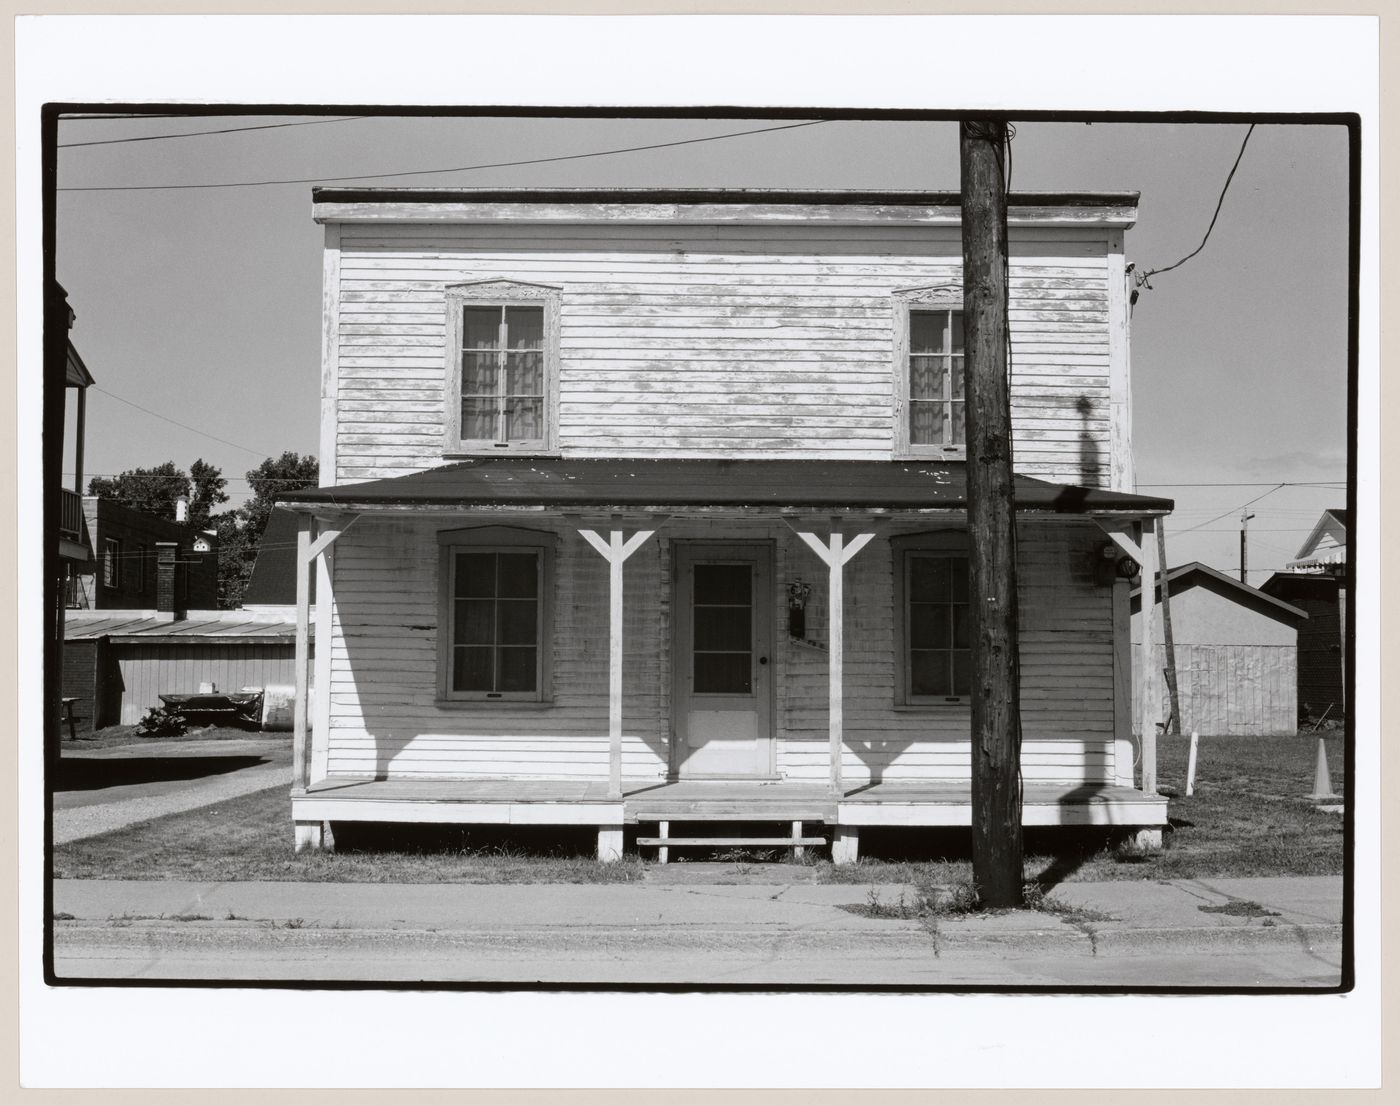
x,y
1147,663
615,551
303,652
835,553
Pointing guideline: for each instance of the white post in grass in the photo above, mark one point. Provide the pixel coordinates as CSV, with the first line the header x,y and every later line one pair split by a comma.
x,y
834,553
615,551
1191,765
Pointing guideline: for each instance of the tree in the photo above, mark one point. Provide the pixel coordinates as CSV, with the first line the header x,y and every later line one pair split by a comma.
x,y
240,531
153,491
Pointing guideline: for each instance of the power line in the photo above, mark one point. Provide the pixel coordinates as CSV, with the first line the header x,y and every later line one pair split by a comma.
x,y
430,172
1141,278
196,134
175,422
1231,511
1338,484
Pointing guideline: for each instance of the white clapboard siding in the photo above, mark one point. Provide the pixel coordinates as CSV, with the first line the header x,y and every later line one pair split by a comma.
x,y
1238,690
383,671
713,341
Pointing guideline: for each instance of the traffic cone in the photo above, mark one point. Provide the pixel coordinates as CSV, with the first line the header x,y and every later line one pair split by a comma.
x,y
1322,778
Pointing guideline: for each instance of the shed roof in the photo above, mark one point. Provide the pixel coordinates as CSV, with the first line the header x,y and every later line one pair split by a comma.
x,y
700,483
1195,573
274,579
145,627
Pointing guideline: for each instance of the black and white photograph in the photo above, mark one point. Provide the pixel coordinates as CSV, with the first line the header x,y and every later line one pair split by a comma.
x,y
695,545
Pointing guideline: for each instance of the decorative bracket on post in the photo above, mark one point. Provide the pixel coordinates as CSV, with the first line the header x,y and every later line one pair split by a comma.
x,y
615,549
835,551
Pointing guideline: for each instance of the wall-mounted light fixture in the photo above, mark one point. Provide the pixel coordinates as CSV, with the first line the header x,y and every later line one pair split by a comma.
x,y
798,594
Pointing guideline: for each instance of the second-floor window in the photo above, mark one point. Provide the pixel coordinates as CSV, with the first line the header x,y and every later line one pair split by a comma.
x,y
936,394
111,563
137,582
503,367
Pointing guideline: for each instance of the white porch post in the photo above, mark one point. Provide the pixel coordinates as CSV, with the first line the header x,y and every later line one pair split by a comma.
x,y
834,554
615,551
308,834
1148,548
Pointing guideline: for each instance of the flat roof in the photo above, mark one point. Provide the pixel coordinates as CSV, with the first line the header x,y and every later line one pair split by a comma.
x,y
643,484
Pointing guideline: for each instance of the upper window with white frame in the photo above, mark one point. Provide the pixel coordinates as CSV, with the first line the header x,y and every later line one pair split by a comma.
x,y
503,352
929,374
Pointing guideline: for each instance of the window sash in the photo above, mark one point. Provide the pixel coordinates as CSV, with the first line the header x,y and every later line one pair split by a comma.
x,y
495,646
937,630
111,562
503,373
935,380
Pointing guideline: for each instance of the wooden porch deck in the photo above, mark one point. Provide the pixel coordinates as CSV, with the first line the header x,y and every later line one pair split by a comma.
x,y
585,802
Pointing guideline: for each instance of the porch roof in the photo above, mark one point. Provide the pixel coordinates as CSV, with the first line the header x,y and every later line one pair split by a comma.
x,y
571,484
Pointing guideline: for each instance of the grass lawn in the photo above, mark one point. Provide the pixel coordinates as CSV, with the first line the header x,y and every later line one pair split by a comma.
x,y
1249,816
110,737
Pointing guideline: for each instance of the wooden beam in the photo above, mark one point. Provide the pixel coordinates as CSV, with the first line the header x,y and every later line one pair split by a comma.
x,y
835,553
997,863
1146,664
615,550
303,651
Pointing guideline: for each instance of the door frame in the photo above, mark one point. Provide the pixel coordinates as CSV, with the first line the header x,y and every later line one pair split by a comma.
x,y
685,552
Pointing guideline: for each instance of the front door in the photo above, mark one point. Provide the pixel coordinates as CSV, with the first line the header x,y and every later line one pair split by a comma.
x,y
722,679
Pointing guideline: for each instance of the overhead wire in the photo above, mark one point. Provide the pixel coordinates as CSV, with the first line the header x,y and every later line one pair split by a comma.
x,y
432,172
196,134
177,422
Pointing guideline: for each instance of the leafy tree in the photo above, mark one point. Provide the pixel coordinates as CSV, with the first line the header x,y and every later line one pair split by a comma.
x,y
240,531
153,491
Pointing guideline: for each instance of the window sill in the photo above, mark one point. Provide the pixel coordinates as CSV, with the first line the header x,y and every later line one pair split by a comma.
x,y
929,708
470,452
932,453
478,704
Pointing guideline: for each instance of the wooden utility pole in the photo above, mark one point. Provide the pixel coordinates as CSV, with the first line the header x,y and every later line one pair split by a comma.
x,y
996,712
1244,547
1173,701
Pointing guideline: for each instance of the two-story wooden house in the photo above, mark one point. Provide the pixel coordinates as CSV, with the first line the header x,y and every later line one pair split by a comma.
x,y
648,508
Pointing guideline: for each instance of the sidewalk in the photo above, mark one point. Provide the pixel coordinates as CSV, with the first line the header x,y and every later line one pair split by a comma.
x,y
1276,932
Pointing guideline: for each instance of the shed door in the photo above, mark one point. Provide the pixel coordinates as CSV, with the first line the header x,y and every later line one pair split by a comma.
x,y
723,686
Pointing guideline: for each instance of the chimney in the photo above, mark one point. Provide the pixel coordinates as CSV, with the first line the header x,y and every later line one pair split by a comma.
x,y
182,509
170,597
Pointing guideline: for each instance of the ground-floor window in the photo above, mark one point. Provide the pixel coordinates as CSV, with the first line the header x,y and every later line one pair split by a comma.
x,y
933,619
496,585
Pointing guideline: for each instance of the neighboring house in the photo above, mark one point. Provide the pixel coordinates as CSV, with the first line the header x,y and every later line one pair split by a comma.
x,y
755,401
272,588
1317,581
1236,655
117,663
74,553
122,574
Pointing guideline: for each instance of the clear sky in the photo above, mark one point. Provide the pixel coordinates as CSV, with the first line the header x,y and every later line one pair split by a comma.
x,y
204,305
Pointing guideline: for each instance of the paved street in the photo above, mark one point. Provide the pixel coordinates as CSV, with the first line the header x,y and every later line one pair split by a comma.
x,y
1265,932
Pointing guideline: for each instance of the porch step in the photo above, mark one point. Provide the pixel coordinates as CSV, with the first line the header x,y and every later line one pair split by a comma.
x,y
720,842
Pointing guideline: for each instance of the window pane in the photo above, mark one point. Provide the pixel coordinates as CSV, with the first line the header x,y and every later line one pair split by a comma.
x,y
925,331
962,626
928,672
930,579
928,626
475,622
724,673
476,575
962,672
723,628
958,428
958,381
926,377
957,568
471,669
518,575
723,584
925,423
479,419
525,327
517,669
481,327
525,374
480,374
524,420
517,621
957,332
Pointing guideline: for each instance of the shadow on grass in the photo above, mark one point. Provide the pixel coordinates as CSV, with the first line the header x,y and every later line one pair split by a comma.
x,y
77,773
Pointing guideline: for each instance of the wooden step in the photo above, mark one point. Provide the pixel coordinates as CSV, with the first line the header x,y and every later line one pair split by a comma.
x,y
720,842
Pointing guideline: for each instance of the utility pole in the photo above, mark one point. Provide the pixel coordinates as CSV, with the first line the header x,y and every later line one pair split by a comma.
x,y
1174,718
1244,547
996,713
